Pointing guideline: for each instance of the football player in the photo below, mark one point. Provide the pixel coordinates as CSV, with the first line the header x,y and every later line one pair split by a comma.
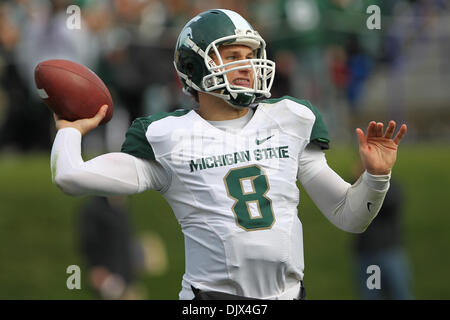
x,y
229,169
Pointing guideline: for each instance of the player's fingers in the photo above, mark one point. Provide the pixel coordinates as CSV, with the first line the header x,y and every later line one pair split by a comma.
x,y
379,129
400,134
103,110
86,125
390,130
360,135
371,129
100,114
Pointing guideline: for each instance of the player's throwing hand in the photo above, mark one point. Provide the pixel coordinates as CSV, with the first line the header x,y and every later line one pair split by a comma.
x,y
82,125
378,151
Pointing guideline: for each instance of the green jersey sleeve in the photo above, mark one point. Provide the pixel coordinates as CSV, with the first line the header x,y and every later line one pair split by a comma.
x,y
136,143
319,132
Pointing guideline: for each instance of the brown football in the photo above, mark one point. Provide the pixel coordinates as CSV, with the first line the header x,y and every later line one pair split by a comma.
x,y
71,90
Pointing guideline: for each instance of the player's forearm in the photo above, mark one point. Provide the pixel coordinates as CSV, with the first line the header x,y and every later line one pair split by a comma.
x,y
349,207
363,201
109,174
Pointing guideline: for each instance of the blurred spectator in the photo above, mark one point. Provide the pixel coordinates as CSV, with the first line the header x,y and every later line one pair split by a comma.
x,y
13,91
113,255
139,66
359,67
285,62
323,50
299,33
382,245
43,35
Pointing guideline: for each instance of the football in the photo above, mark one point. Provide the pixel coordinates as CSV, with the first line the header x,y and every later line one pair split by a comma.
x,y
71,90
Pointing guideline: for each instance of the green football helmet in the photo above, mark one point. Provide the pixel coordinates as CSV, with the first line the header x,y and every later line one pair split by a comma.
x,y
202,36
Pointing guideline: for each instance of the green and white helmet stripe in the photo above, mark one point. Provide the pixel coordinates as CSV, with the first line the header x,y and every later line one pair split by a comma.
x,y
238,21
201,36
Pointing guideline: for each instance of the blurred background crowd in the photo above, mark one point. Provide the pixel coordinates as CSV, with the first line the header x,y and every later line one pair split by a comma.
x,y
323,49
324,52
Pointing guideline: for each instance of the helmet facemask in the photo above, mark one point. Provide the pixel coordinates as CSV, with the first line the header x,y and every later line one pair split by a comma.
x,y
216,82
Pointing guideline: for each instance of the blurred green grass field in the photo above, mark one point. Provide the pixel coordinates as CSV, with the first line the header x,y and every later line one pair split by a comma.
x,y
38,239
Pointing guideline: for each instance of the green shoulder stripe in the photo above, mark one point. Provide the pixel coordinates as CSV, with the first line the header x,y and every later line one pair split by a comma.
x,y
136,143
319,133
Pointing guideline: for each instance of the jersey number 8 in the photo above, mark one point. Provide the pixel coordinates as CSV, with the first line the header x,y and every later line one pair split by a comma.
x,y
248,187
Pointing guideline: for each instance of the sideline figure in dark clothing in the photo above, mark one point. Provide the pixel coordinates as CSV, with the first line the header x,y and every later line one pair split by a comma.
x,y
382,245
114,256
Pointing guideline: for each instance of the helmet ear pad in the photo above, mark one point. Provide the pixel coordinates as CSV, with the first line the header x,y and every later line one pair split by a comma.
x,y
193,67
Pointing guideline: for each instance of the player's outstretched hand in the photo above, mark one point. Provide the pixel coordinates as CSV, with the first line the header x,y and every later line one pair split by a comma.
x,y
82,125
378,150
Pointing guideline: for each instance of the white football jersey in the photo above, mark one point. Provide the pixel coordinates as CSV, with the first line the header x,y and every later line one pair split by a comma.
x,y
235,195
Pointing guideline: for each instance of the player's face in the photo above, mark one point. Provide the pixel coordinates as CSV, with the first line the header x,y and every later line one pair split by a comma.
x,y
232,53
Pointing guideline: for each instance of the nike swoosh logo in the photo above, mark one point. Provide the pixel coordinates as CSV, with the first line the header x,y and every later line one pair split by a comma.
x,y
368,205
258,142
